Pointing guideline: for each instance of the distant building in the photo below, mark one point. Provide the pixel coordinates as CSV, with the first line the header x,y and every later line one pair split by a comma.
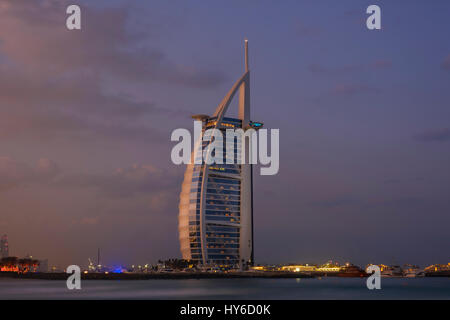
x,y
390,271
43,266
329,267
264,268
14,264
299,268
4,249
438,267
438,270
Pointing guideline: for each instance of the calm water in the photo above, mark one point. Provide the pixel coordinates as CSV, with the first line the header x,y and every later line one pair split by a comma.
x,y
327,288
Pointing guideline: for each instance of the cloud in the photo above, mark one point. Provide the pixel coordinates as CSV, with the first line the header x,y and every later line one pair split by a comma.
x,y
401,202
352,89
339,201
446,63
391,181
89,221
14,174
60,84
351,68
382,64
435,135
135,189
100,48
320,69
306,31
126,182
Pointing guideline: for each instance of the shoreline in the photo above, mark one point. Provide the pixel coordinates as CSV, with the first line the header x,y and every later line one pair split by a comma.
x,y
186,276
155,276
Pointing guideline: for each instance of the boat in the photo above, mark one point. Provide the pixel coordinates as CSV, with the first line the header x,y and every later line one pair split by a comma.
x,y
411,271
351,271
438,270
390,271
397,271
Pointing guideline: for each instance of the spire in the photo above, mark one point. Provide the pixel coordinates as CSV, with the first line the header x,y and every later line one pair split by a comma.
x,y
243,85
246,55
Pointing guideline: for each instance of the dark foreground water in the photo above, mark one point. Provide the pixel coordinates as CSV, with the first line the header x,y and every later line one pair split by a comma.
x,y
326,288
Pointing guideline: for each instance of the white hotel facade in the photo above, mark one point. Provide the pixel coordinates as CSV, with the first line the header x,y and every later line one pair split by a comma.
x,y
216,201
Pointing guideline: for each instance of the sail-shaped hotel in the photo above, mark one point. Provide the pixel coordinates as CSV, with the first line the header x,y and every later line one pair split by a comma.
x,y
216,200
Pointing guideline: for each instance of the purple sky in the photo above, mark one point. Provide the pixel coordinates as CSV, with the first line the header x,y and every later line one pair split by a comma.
x,y
364,119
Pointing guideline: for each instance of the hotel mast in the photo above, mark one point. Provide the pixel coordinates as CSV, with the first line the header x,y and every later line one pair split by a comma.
x,y
216,201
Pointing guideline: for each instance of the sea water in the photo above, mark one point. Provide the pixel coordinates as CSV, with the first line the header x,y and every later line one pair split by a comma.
x,y
236,289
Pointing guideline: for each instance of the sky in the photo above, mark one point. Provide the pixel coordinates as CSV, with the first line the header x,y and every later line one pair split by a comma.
x,y
86,118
